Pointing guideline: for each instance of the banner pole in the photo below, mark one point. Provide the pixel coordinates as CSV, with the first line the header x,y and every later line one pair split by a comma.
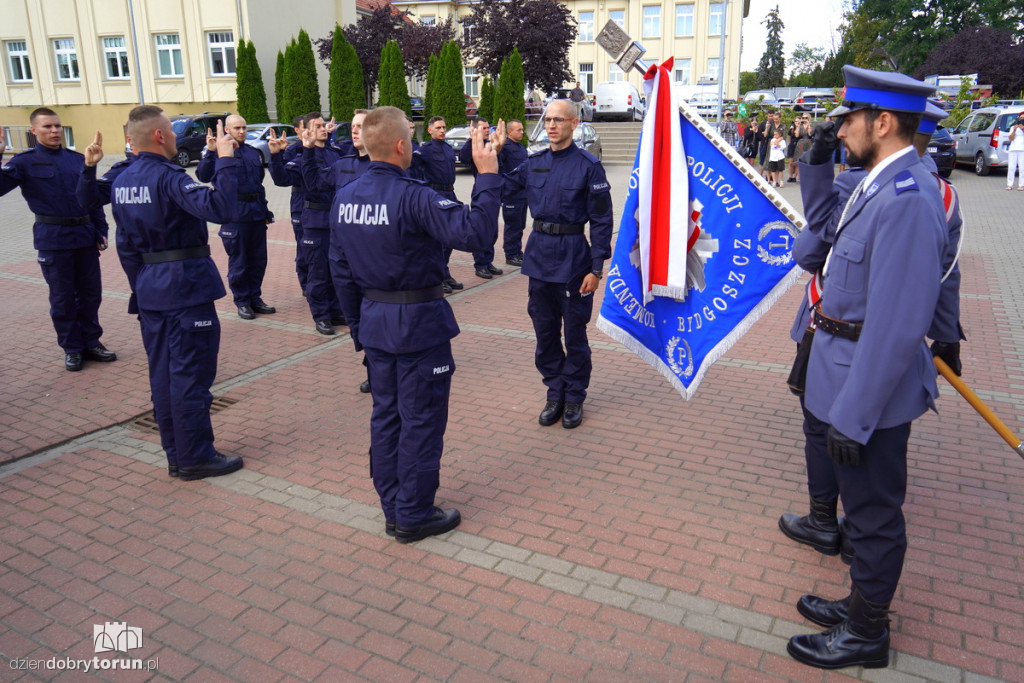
x,y
980,406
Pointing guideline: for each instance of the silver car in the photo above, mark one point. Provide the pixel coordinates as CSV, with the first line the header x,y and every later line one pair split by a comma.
x,y
983,137
585,137
258,135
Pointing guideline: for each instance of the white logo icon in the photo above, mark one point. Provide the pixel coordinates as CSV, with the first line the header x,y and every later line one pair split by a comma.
x,y
116,636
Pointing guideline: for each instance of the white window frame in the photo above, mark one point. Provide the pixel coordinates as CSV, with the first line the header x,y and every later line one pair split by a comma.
x,y
684,15
715,68
586,74
586,30
471,81
224,48
715,16
684,71
620,20
18,62
652,21
66,59
615,72
115,58
169,51
467,33
428,21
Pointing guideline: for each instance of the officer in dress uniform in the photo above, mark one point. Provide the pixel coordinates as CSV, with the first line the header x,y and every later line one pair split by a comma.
x,y
513,198
323,303
390,229
483,260
67,236
298,197
820,528
870,372
163,244
565,188
433,162
245,235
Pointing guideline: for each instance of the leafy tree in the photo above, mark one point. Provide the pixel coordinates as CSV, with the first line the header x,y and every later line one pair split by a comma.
x,y
279,78
252,98
509,103
487,93
286,112
428,91
421,41
542,30
302,90
996,56
393,89
748,81
805,59
771,71
368,36
448,97
336,74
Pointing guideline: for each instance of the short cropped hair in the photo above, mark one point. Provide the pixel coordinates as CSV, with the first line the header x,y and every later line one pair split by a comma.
x,y
140,118
382,128
907,123
41,111
435,119
314,115
299,121
360,111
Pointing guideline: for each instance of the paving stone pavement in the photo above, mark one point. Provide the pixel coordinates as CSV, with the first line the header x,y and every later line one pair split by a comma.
x,y
641,546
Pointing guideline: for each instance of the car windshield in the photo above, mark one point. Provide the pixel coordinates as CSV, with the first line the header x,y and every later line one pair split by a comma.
x,y
542,136
253,133
180,126
458,132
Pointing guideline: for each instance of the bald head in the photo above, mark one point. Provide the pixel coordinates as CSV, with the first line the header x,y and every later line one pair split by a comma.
x,y
234,125
562,108
384,129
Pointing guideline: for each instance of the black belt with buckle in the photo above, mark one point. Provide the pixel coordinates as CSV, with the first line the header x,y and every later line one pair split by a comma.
x,y
558,228
837,328
405,296
176,254
317,206
442,188
62,220
248,196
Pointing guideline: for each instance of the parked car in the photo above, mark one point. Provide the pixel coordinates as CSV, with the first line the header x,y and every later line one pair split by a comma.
x,y
456,138
942,149
534,105
705,103
417,107
983,137
258,135
587,114
190,134
816,102
760,97
618,100
585,137
471,108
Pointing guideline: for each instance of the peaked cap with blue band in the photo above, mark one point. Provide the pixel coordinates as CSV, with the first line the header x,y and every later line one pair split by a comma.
x,y
868,89
933,113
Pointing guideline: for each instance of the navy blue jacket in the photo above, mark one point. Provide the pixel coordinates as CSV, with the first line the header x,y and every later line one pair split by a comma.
x,y
434,164
390,229
92,191
158,207
48,178
283,179
567,187
312,218
511,155
250,183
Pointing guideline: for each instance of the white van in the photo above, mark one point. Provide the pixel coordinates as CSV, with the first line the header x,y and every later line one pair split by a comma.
x,y
618,100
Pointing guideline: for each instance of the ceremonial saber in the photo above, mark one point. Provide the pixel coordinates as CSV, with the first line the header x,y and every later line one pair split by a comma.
x,y
980,406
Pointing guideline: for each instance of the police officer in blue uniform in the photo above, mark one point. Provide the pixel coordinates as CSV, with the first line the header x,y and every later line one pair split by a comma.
x,y
389,229
565,188
245,235
433,162
163,244
323,303
513,198
870,372
483,260
298,198
67,236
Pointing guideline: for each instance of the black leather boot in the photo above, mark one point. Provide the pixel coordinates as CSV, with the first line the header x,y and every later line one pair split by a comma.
x,y
818,529
824,612
861,640
846,551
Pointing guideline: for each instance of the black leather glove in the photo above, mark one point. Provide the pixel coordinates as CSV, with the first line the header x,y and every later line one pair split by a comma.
x,y
842,449
824,144
949,353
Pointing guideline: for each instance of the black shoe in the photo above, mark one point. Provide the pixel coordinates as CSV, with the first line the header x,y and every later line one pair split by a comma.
x,y
791,180
454,284
516,261
494,270
172,470
214,467
445,287
573,415
364,388
440,521
325,327
72,362
263,309
824,612
339,320
99,353
389,527
818,529
861,640
246,313
552,411
484,273
846,551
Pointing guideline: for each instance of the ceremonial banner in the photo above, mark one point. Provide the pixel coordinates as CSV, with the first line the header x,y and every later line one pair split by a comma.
x,y
737,255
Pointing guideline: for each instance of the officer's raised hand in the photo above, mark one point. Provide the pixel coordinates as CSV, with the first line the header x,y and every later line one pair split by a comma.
x,y
331,125
223,142
824,145
211,139
842,449
276,144
484,156
94,152
498,137
308,136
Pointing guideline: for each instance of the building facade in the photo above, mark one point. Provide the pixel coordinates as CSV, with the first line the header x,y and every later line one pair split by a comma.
x,y
93,60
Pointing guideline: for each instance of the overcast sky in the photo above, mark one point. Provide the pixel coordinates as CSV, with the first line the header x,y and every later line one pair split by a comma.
x,y
814,22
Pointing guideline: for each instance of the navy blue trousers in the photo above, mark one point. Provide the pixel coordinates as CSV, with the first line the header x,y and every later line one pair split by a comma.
x,y
513,213
554,307
872,494
73,276
300,262
323,301
246,246
182,347
410,415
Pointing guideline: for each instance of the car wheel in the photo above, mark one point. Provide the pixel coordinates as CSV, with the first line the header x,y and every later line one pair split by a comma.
x,y
946,172
182,158
980,167
631,115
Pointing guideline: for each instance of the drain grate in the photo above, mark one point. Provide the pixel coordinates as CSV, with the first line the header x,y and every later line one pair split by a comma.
x,y
147,422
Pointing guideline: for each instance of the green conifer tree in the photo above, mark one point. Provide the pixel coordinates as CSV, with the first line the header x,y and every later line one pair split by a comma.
x,y
509,103
336,74
428,91
355,90
302,88
252,97
391,82
451,95
487,95
279,89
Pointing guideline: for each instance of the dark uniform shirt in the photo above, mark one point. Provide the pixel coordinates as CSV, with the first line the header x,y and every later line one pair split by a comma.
x,y
434,164
252,205
283,178
316,200
512,154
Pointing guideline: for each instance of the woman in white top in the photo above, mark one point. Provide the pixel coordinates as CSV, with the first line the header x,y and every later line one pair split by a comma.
x,y
1015,154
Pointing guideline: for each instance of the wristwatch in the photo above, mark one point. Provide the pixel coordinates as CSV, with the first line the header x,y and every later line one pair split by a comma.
x,y
597,273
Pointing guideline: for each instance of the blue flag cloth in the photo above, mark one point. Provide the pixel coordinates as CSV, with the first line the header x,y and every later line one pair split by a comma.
x,y
739,266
